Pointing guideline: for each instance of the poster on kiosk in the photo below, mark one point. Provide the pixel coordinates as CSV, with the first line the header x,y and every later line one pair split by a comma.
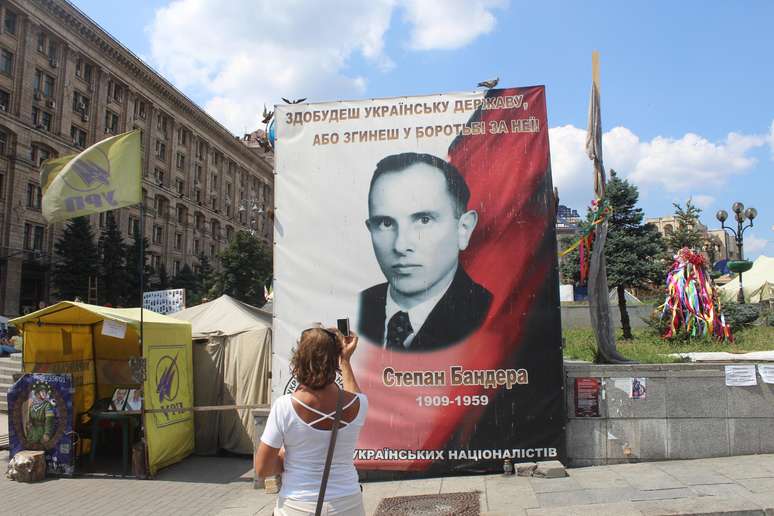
x,y
429,223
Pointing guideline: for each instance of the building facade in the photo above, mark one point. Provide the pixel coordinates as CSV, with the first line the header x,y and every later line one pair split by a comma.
x,y
718,245
65,84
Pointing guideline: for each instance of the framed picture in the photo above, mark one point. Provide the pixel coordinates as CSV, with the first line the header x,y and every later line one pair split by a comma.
x,y
119,399
134,400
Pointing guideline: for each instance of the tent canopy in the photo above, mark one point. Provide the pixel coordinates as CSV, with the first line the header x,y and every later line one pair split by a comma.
x,y
231,360
753,280
223,316
71,337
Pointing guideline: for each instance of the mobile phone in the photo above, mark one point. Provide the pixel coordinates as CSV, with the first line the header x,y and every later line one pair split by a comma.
x,y
343,326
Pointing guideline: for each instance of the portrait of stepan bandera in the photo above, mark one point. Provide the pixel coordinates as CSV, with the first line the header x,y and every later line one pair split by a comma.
x,y
419,222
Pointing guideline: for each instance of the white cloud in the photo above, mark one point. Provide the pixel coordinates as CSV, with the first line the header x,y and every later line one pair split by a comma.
x,y
677,165
771,139
754,244
254,52
703,201
449,24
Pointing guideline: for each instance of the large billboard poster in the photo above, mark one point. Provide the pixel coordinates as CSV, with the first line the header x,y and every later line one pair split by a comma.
x,y
428,221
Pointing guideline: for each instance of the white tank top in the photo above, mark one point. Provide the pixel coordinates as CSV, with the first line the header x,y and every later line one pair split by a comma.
x,y
306,448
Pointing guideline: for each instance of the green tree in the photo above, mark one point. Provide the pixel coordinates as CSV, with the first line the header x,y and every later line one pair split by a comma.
x,y
205,277
246,269
162,281
634,252
134,297
687,233
77,260
113,277
186,279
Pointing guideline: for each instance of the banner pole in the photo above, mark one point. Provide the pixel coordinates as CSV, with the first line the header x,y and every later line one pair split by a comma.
x,y
142,268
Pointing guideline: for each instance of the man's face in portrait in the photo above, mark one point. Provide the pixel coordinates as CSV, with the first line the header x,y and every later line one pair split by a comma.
x,y
417,231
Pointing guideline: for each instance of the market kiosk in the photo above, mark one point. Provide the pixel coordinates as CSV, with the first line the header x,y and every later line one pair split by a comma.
x,y
100,348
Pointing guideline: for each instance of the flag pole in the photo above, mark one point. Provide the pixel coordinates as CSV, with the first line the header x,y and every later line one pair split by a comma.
x,y
142,269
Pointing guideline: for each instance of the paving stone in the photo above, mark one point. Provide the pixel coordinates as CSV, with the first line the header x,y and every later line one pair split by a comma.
x,y
597,476
605,509
725,490
553,485
693,474
585,496
715,505
646,477
758,485
550,469
662,494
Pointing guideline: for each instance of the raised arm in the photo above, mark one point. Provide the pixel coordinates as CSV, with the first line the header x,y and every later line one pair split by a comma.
x,y
348,346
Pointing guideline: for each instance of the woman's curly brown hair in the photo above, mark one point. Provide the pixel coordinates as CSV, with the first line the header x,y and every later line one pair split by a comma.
x,y
316,359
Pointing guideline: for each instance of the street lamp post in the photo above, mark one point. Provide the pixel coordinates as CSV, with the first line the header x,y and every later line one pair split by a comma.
x,y
740,214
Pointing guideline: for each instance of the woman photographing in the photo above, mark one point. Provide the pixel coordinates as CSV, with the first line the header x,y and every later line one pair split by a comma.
x,y
297,437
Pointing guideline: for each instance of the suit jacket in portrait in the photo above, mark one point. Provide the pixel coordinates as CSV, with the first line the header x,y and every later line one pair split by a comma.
x,y
460,312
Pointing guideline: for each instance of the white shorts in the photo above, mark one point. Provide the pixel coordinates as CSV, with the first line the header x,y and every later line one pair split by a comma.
x,y
345,506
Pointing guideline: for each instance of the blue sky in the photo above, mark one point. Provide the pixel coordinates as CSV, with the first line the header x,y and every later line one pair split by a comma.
x,y
686,86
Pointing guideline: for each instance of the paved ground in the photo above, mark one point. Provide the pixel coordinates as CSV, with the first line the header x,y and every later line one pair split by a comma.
x,y
222,486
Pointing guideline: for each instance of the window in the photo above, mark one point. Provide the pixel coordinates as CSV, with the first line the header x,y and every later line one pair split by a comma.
x,y
9,23
2,185
83,70
5,100
42,41
229,233
180,161
196,246
115,91
212,250
161,150
214,181
176,267
111,122
78,135
6,62
33,237
33,196
159,173
178,241
41,119
158,232
198,195
181,215
214,203
134,226
3,143
102,218
181,136
161,124
198,172
53,49
39,154
140,109
156,261
199,149
179,186
81,103
44,84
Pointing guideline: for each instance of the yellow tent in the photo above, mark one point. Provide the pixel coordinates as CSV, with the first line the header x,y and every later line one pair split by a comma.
x,y
95,343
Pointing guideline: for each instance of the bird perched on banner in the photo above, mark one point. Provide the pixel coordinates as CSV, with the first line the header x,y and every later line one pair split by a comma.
x,y
267,115
491,83
297,101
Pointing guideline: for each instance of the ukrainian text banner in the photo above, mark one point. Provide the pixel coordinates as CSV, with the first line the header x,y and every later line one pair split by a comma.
x,y
428,221
103,177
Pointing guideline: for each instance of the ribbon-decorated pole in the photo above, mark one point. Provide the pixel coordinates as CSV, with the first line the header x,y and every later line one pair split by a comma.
x,y
599,304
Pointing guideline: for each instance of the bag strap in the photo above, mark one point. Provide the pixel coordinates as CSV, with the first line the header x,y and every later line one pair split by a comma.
x,y
329,458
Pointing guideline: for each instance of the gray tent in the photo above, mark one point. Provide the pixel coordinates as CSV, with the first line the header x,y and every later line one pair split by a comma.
x,y
231,362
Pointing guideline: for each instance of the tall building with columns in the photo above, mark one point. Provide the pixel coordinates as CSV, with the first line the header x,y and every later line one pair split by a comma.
x,y
65,83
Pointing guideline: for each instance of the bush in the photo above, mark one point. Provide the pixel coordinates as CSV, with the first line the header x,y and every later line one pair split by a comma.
x,y
739,316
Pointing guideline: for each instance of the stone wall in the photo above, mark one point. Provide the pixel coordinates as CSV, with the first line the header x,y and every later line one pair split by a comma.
x,y
688,413
577,316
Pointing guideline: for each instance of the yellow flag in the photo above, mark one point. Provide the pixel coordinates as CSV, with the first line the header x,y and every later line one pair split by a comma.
x,y
106,176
